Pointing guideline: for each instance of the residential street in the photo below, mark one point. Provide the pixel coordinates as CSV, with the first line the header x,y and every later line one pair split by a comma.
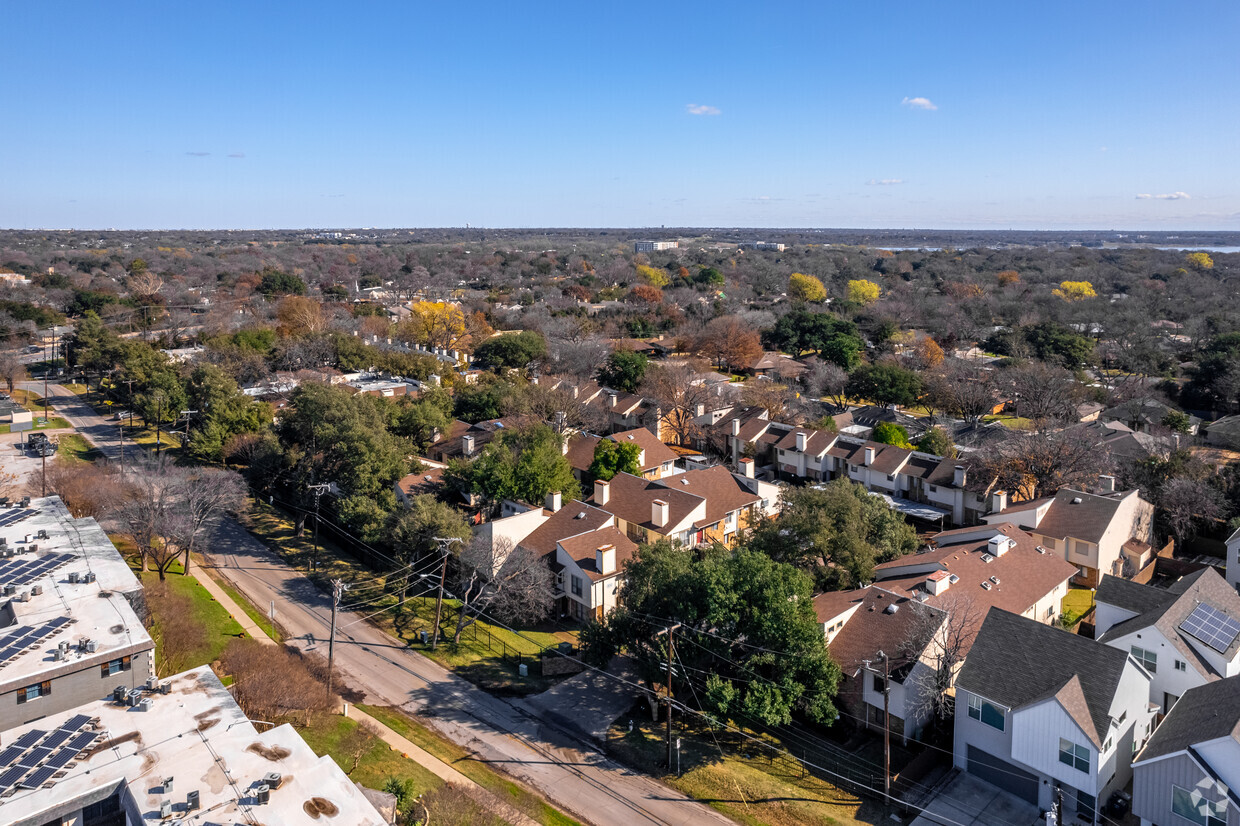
x,y
564,768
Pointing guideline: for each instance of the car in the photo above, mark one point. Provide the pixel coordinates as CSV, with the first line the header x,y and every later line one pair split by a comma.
x,y
33,348
37,438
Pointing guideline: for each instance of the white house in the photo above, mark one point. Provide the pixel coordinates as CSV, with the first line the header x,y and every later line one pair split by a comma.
x,y
1233,559
1100,534
1189,770
1184,636
1039,709
590,569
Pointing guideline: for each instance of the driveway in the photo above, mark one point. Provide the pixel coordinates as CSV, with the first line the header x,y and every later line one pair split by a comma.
x,y
968,801
589,703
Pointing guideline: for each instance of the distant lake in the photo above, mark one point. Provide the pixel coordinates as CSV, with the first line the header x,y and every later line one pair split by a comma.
x,y
1223,250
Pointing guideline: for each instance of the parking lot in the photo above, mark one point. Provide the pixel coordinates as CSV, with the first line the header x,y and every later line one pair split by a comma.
x,y
22,464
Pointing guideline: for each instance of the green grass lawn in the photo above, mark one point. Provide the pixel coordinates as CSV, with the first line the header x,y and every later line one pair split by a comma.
x,y
1014,422
325,736
501,786
74,449
743,780
258,617
185,595
481,656
1075,604
76,389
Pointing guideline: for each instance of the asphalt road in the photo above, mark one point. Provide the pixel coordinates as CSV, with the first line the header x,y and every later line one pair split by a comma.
x,y
564,768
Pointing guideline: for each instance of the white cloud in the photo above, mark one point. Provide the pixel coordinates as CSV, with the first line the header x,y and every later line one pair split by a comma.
x,y
884,182
1166,196
701,109
919,103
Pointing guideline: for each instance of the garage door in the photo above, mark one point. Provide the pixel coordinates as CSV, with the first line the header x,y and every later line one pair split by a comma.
x,y
1005,775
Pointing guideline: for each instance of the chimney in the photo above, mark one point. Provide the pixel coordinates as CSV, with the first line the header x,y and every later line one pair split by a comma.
x,y
736,427
611,400
553,501
641,458
747,468
602,492
938,582
658,513
869,456
998,500
576,391
998,545
959,476
605,559
1107,483
800,441
699,410
467,444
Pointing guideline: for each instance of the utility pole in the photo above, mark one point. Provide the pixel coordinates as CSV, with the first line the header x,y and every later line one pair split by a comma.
x,y
444,542
120,429
159,414
318,493
886,721
46,370
188,414
671,653
338,589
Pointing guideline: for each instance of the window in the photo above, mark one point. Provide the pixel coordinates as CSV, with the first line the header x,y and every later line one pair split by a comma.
x,y
1070,754
576,586
934,489
1050,611
1202,812
114,667
891,477
34,692
985,712
1107,745
1180,665
1148,659
880,685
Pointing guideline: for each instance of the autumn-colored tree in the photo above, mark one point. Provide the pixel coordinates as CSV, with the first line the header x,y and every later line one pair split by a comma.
x,y
577,292
373,325
802,287
863,292
1007,278
927,353
960,290
433,324
653,276
1200,261
646,293
728,342
1074,291
300,316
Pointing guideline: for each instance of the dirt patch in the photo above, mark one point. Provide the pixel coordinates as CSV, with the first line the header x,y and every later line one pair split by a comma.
x,y
316,806
272,753
131,737
207,719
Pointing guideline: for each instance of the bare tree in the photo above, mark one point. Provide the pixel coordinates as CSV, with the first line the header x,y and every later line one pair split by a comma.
x,y
511,584
729,343
271,681
358,742
1186,502
1044,394
201,495
963,388
940,635
12,371
678,396
1037,464
825,379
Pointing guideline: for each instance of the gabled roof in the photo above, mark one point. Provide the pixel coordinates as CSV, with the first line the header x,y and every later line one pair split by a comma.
x,y
902,634
1017,662
1204,586
1207,712
580,453
630,498
721,490
1084,516
657,453
1024,575
428,480
816,441
581,549
570,520
1132,596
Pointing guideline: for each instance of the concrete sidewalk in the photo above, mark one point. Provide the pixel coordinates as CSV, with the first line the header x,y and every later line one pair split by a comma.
x,y
234,610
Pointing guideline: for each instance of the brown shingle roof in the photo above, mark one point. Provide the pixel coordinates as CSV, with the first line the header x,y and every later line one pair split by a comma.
x,y
631,497
722,492
427,480
582,547
572,519
1086,519
872,629
657,453
580,453
816,441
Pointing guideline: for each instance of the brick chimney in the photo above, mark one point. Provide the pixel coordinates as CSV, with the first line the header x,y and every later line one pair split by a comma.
x,y
602,492
658,513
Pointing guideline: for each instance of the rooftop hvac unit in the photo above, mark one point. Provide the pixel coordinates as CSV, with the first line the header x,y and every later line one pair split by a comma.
x,y
152,683
165,687
167,785
73,576
987,585
120,693
24,597
90,646
36,589
144,704
132,697
89,576
165,808
42,534
191,800
273,779
32,548
995,580
9,590
59,654
263,793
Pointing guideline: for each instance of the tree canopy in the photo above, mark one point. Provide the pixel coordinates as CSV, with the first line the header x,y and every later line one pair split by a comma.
x,y
623,370
802,287
522,464
515,350
612,457
884,384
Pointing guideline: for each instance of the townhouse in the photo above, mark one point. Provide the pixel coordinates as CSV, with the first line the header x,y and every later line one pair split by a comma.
x,y
1184,636
1042,713
654,461
1099,533
1189,770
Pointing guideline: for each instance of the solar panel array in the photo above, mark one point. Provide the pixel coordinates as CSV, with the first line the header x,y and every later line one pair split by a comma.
x,y
20,640
15,515
37,756
1212,627
25,571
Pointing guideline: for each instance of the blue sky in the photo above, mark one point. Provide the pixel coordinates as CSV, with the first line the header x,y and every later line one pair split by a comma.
x,y
949,114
